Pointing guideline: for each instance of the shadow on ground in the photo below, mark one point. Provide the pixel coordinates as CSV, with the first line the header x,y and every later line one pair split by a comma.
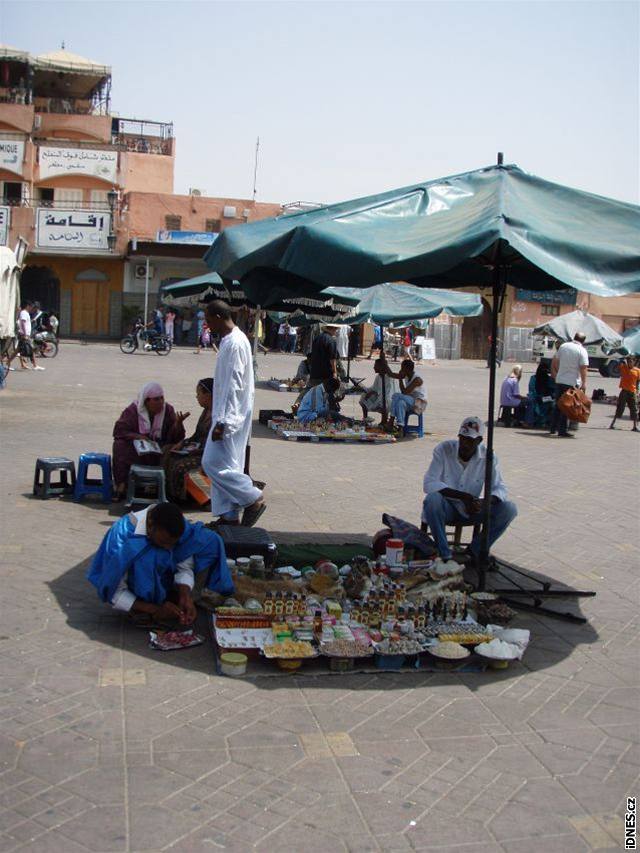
x,y
552,640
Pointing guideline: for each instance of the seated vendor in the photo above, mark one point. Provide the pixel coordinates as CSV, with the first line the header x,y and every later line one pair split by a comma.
x,y
320,402
304,371
373,400
541,397
453,485
147,418
147,562
186,455
513,404
412,397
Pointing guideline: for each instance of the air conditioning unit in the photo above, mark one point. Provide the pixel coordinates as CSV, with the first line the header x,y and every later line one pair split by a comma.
x,y
229,211
195,192
37,122
140,271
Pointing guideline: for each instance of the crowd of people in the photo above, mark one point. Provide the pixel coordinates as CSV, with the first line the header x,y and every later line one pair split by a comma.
x,y
31,323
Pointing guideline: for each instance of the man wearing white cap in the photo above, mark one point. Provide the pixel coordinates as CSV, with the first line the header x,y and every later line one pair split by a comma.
x,y
453,485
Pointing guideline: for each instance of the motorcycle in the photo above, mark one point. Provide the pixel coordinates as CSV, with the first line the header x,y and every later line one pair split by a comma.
x,y
45,344
150,340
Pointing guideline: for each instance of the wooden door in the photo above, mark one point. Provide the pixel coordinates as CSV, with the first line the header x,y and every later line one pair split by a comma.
x,y
90,308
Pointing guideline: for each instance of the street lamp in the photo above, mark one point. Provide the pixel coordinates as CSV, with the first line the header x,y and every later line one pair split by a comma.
x,y
112,198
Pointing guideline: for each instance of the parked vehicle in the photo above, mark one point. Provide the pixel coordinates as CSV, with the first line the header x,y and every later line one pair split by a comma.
x,y
148,339
600,358
45,344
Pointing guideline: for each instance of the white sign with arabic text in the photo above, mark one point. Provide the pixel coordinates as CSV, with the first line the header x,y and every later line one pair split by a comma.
x,y
78,161
72,230
4,225
11,155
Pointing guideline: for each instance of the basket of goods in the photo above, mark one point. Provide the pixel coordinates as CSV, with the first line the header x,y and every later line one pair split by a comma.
x,y
392,653
494,612
498,652
289,654
243,619
346,648
448,651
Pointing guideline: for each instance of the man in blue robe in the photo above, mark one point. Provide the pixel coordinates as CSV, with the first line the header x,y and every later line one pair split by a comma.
x,y
148,560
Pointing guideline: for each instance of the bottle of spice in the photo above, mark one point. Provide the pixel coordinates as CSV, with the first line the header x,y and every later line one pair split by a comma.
x,y
268,603
397,592
421,617
303,604
288,605
364,614
400,616
279,604
354,615
317,622
403,592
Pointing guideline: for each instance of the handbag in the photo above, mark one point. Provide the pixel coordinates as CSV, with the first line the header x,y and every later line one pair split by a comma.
x,y
575,405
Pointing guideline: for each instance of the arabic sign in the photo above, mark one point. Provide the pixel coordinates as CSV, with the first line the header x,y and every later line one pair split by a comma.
x,y
78,161
4,225
549,297
71,230
190,238
11,155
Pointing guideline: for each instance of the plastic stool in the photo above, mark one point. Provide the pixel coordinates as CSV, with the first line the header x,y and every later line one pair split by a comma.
x,y
87,486
47,465
415,430
146,475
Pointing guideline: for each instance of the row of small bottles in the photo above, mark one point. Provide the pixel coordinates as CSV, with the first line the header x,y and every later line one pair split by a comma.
x,y
383,606
287,604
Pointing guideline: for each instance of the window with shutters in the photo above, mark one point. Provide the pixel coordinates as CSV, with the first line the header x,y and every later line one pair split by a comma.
x,y
212,225
72,198
550,310
172,223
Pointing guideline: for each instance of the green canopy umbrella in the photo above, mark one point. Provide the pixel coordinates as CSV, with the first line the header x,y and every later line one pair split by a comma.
x,y
393,303
490,227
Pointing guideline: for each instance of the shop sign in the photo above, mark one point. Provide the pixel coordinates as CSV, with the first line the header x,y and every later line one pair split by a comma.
x,y
72,230
549,297
4,225
78,161
187,238
11,155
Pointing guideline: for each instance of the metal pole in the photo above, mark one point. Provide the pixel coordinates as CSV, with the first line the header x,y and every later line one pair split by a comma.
x,y
498,290
255,170
146,290
256,324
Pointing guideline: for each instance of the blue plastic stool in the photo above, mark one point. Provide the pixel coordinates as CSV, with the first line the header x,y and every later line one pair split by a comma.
x,y
414,430
85,485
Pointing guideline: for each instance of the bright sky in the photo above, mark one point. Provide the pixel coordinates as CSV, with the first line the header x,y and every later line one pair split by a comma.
x,y
351,98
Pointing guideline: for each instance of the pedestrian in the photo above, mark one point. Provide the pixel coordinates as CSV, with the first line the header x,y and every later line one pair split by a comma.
x,y
292,339
283,331
629,379
186,328
569,370
376,343
25,345
342,341
169,319
158,321
223,461
498,351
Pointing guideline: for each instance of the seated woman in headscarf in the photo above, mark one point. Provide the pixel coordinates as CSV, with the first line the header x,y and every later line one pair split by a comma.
x,y
186,455
512,402
148,561
541,397
147,419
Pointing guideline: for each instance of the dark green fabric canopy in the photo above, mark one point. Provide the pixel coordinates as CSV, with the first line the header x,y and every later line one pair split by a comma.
x,y
394,303
443,233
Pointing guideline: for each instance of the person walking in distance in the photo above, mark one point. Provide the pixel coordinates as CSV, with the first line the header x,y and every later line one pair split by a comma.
x,y
629,379
569,370
232,491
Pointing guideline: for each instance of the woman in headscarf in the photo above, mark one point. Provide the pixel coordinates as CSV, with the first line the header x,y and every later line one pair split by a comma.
x,y
151,419
541,396
187,455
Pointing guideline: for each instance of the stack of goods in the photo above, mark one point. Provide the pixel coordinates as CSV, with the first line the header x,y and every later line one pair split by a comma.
x,y
390,612
326,430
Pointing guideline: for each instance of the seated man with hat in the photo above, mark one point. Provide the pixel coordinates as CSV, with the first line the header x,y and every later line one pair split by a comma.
x,y
453,485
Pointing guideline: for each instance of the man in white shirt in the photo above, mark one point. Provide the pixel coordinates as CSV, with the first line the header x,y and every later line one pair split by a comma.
x,y
25,345
453,485
568,369
232,491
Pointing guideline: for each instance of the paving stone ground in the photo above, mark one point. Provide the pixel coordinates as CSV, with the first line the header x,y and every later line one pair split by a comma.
x,y
108,746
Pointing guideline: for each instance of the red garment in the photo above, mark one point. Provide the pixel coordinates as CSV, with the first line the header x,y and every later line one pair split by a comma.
x,y
126,428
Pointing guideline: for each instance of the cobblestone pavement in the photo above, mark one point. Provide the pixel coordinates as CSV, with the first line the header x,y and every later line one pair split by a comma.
x,y
107,746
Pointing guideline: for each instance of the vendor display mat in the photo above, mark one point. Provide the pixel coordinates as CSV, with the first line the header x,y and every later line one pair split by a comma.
x,y
292,430
260,667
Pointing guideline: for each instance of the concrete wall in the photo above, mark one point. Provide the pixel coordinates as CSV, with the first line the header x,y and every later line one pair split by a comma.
x,y
147,173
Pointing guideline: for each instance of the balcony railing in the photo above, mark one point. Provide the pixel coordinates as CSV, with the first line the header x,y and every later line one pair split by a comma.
x,y
142,144
65,205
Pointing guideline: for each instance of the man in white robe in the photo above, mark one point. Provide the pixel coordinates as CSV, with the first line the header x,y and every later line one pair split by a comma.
x,y
232,491
342,341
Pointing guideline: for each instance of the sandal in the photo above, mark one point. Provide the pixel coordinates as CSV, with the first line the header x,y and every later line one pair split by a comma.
x,y
252,514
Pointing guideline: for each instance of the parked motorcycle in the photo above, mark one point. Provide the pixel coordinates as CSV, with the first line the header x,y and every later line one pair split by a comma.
x,y
151,342
45,344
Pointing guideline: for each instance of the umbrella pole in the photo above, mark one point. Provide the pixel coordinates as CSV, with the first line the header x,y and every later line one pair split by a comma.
x,y
384,384
498,292
256,324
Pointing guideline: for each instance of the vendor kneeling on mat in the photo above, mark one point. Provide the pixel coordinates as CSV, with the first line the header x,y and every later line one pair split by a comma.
x,y
320,402
453,485
148,560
